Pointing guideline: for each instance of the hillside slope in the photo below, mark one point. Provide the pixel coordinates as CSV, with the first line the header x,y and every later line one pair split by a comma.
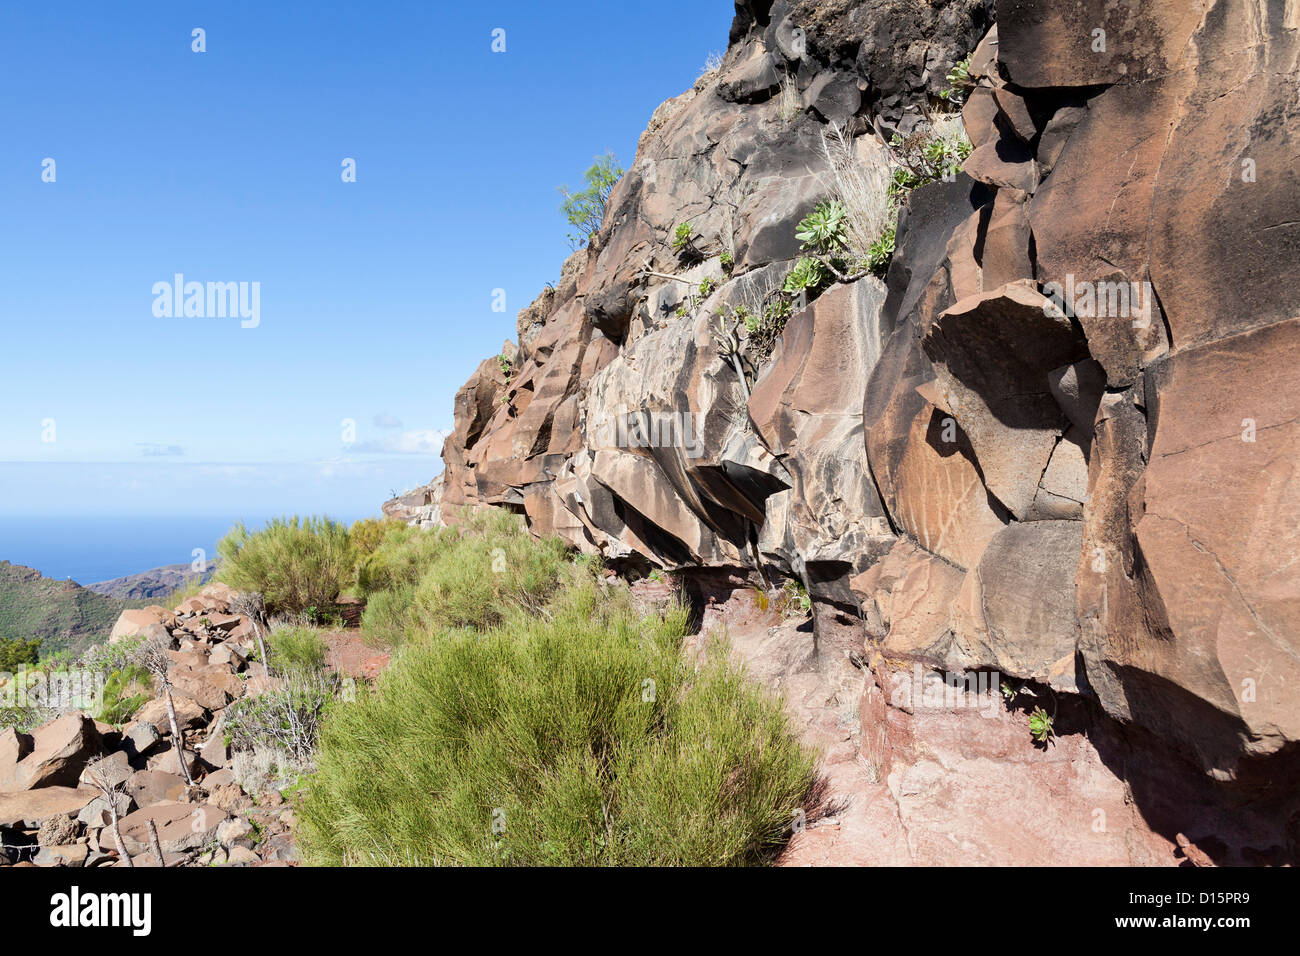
x,y
154,583
63,615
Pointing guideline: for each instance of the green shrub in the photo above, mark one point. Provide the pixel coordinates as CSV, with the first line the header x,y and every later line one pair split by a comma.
x,y
422,580
293,563
16,652
808,275
388,616
682,237
296,648
401,557
125,692
825,229
485,575
580,736
585,208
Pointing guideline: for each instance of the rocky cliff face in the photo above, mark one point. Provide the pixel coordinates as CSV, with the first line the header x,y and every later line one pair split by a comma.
x,y
1059,441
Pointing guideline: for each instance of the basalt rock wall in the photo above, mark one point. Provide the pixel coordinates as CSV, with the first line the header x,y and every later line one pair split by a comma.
x,y
1058,440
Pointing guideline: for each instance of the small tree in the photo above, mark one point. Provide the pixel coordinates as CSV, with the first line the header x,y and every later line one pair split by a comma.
x,y
585,209
108,781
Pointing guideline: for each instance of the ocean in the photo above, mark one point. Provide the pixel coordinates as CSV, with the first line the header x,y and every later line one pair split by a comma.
x,y
89,550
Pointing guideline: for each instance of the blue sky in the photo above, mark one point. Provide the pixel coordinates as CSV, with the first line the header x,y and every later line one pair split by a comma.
x,y
224,166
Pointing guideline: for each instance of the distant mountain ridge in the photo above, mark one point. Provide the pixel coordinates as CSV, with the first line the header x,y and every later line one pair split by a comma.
x,y
63,615
154,583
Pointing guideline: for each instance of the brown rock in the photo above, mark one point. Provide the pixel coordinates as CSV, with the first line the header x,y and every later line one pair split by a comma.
x,y
181,826
1217,519
148,787
188,714
148,622
71,855
1042,43
992,354
211,686
35,806
59,752
1016,610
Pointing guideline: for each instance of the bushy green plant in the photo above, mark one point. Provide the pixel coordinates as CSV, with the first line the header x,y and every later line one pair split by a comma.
x,y
125,692
681,237
365,536
507,368
958,82
300,648
16,652
294,563
578,737
881,252
389,616
1040,725
418,581
807,275
824,230
401,557
473,584
585,209
706,287
727,260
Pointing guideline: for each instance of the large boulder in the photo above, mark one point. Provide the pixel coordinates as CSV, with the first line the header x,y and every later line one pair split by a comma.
x,y
181,826
148,622
57,755
210,686
1016,610
188,714
29,809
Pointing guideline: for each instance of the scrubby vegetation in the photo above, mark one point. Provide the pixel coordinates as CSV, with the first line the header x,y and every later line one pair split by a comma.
x,y
296,648
419,581
531,716
15,652
294,563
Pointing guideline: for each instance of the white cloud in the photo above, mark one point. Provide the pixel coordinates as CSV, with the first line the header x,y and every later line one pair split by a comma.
x,y
418,441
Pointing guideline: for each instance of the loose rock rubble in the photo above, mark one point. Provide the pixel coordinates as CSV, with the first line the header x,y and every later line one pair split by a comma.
x,y
51,814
